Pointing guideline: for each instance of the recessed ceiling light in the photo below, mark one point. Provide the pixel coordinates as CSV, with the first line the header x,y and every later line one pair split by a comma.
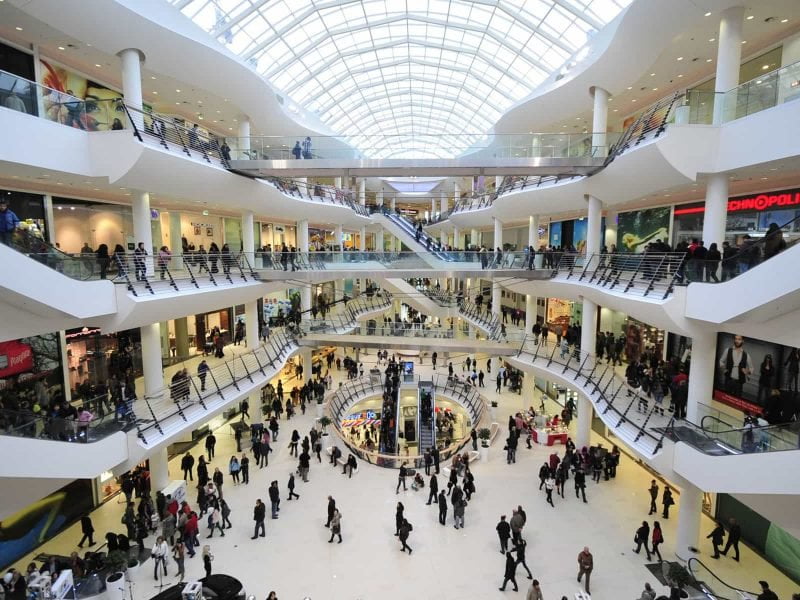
x,y
61,48
18,28
681,75
764,178
98,66
616,110
708,14
709,59
712,39
630,87
764,67
178,91
219,111
652,74
177,103
744,41
230,128
774,169
634,100
680,58
758,81
750,18
152,76
655,89
784,20
156,93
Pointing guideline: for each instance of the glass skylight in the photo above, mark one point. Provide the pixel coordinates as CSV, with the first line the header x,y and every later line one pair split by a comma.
x,y
406,78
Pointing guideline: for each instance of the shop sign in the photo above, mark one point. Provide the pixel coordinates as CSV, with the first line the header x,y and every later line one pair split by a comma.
x,y
758,203
15,357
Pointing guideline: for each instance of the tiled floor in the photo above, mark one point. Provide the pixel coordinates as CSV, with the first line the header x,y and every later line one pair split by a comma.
x,y
296,561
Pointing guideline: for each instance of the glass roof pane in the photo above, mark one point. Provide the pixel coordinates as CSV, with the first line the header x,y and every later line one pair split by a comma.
x,y
416,67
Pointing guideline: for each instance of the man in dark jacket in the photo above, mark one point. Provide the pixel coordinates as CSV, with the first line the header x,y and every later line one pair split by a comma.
x,y
187,463
504,533
274,498
331,510
442,508
653,489
734,535
259,514
211,442
88,531
510,573
717,536
434,487
642,537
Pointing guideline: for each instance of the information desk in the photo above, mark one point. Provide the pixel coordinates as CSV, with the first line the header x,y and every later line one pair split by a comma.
x,y
548,437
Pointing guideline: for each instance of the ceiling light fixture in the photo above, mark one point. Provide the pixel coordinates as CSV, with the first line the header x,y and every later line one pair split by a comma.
x,y
750,18
784,20
708,14
652,74
18,28
99,66
712,39
630,87
61,48
764,67
680,58
709,59
178,91
744,41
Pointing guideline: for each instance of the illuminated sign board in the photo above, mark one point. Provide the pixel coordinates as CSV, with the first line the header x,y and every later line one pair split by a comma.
x,y
757,203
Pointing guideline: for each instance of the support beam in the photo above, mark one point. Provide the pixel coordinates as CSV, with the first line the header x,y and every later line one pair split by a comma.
x,y
690,508
151,361
588,340
701,383
593,226
142,230
600,122
159,469
716,212
729,58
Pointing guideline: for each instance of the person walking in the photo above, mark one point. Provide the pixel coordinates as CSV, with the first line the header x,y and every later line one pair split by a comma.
x,y
517,523
398,518
336,525
179,556
244,468
504,533
653,489
585,566
211,442
535,592
642,537
459,505
734,535
159,554
401,478
404,531
225,511
207,559
717,536
259,515
658,539
331,510
433,484
215,521
667,501
519,548
549,484
442,508
510,573
290,485
274,499
187,463
87,529
580,484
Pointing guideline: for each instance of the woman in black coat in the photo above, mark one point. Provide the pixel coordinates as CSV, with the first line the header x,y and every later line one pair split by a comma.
x,y
398,518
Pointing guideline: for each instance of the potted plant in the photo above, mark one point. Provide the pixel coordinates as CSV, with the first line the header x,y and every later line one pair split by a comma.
x,y
117,563
484,434
493,411
678,576
324,421
133,568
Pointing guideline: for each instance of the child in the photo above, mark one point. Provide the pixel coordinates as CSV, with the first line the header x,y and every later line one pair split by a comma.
x,y
207,558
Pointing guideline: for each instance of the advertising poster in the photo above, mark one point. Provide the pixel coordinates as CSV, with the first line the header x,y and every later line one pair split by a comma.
x,y
579,234
96,113
32,526
637,229
555,234
739,381
29,367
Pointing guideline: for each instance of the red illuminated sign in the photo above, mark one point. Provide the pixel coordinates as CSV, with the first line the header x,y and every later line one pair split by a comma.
x,y
15,357
756,203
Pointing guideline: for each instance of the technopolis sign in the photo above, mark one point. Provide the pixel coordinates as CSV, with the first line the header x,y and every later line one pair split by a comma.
x,y
757,203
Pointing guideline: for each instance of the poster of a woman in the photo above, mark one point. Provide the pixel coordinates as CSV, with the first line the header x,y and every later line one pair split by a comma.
x,y
74,100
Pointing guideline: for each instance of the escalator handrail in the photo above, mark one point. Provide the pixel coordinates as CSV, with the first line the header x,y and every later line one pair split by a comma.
x,y
727,585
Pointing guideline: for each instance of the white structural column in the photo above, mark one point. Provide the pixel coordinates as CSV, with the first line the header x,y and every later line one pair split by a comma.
x,y
338,235
303,246
443,237
533,231
600,122
151,361
443,203
498,242
701,383
588,338
433,207
456,238
690,508
716,213
379,240
611,229
362,191
379,197
394,204
474,238
132,60
729,58
530,312
175,245
456,192
362,239
243,142
251,322
159,469
593,225
337,182
142,230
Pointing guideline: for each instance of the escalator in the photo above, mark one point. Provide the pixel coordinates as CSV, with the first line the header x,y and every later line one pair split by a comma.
x,y
705,584
427,422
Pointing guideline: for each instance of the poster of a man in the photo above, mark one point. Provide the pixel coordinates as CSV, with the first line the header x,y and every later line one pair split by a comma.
x,y
736,366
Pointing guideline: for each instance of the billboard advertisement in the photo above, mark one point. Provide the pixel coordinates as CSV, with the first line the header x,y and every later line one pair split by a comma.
x,y
637,229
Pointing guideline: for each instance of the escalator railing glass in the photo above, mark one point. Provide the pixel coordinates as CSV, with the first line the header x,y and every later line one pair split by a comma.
x,y
712,587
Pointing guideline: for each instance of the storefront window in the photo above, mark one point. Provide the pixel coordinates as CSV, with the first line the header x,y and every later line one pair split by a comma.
x,y
93,358
29,208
